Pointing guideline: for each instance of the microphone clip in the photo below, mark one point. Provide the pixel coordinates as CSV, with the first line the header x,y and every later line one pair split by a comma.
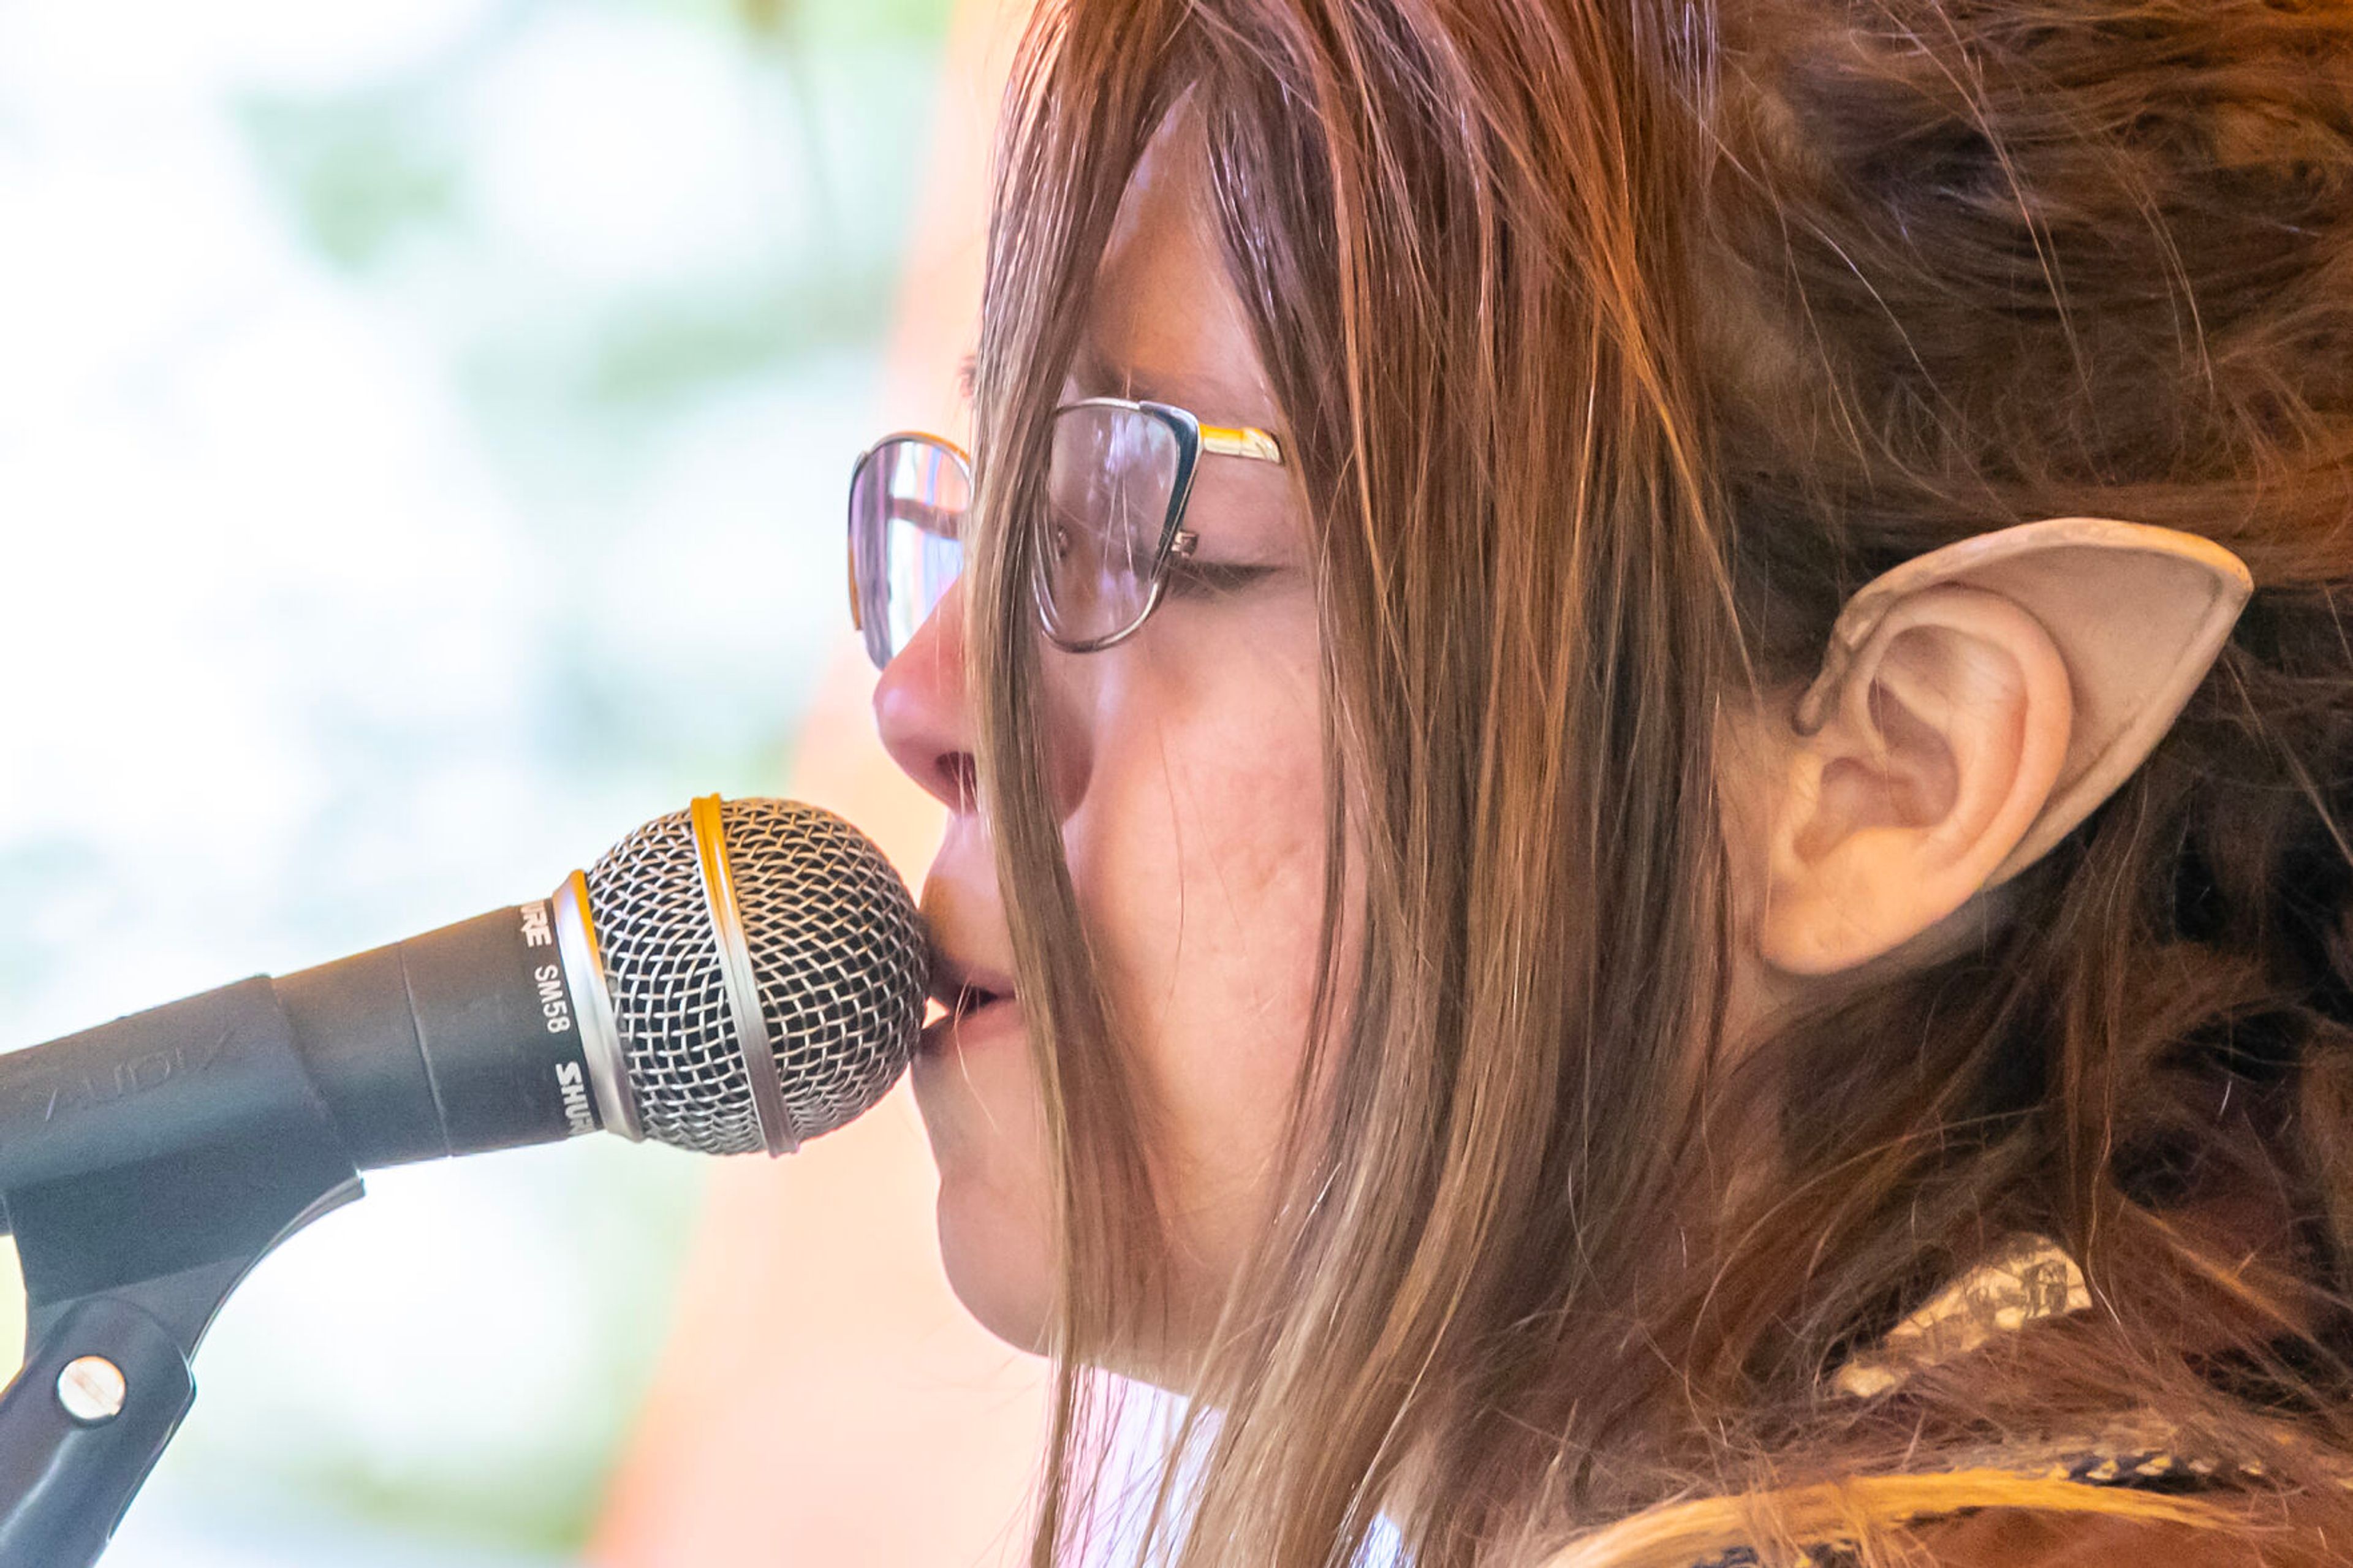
x,y
145,1167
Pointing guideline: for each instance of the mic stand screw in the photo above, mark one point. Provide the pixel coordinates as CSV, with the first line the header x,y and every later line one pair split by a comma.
x,y
91,1390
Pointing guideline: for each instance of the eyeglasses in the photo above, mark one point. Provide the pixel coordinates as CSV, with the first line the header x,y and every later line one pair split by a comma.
x,y
1117,479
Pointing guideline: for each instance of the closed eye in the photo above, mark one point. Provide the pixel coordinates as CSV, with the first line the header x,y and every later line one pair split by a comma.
x,y
1192,578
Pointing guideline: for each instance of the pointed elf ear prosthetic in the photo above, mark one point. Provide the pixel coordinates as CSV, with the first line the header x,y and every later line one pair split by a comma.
x,y
1975,704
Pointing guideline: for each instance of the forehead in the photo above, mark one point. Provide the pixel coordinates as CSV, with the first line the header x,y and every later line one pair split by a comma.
x,y
1164,321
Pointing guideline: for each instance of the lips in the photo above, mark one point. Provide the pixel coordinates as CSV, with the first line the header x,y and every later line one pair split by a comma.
x,y
967,996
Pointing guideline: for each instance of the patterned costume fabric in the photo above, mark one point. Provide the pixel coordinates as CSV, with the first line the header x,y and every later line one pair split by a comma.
x,y
2028,1278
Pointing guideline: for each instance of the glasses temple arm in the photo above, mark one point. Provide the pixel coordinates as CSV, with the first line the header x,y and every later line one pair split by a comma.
x,y
1241,441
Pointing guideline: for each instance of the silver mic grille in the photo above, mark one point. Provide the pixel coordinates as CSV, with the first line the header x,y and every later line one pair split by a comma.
x,y
836,953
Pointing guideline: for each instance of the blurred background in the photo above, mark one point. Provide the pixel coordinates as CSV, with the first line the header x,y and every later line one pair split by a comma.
x,y
423,428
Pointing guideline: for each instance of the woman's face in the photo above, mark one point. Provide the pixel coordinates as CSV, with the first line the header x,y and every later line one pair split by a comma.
x,y
1187,775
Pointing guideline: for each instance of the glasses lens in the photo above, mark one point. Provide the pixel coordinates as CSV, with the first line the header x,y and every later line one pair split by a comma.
x,y
1112,474
907,505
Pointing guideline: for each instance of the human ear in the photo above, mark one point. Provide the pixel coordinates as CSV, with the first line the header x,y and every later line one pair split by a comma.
x,y
1973,705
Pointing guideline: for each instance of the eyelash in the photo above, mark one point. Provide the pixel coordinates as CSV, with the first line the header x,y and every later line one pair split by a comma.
x,y
1205,579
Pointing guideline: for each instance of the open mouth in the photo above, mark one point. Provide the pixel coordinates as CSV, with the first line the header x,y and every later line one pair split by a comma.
x,y
971,999
958,996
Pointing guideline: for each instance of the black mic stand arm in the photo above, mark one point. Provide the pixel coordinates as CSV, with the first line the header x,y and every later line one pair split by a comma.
x,y
143,1181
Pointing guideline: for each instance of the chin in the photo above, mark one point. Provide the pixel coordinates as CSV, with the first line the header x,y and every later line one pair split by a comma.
x,y
1002,1273
978,1098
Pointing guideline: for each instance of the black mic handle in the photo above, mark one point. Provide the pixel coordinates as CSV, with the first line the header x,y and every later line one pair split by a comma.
x,y
465,1039
81,1427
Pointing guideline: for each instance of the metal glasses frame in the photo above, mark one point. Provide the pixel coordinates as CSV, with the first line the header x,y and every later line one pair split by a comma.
x,y
1193,440
856,471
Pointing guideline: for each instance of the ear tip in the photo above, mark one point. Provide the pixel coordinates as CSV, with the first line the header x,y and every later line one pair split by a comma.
x,y
2230,574
2151,700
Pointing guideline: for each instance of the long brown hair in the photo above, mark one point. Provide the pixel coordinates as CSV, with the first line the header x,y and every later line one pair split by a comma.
x,y
1617,342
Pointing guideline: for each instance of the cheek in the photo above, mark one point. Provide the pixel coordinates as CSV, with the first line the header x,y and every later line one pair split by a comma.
x,y
1197,850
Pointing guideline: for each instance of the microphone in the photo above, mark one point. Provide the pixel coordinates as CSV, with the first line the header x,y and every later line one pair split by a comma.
x,y
741,975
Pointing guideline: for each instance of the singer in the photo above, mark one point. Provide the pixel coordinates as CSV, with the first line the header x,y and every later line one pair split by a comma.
x,y
1649,728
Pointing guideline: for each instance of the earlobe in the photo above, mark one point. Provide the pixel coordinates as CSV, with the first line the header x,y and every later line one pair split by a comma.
x,y
2075,642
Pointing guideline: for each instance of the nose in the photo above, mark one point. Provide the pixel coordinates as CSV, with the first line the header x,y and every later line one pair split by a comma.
x,y
923,710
